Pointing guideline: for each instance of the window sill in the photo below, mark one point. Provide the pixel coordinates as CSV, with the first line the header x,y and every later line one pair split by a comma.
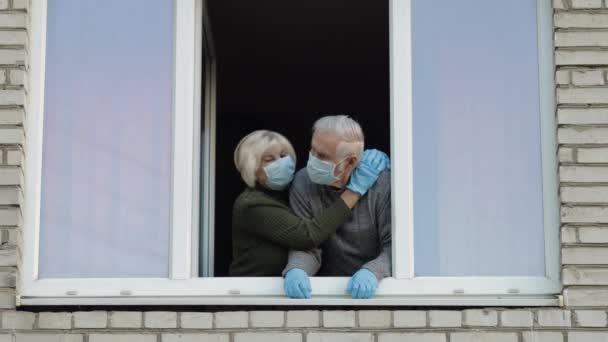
x,y
451,300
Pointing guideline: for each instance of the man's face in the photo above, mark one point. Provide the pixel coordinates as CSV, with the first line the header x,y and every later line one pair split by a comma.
x,y
324,146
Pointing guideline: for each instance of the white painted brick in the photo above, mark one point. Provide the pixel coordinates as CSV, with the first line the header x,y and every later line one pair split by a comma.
x,y
543,336
581,20
54,320
126,319
586,3
8,277
374,319
11,136
12,56
583,135
585,255
303,319
21,4
583,296
122,338
587,336
447,319
581,38
516,318
584,194
10,195
568,234
562,77
593,234
18,320
587,174
204,337
11,116
480,318
566,155
235,319
196,320
3,78
14,157
584,276
18,77
590,318
8,257
160,319
592,155
409,319
13,37
10,97
584,214
48,337
90,319
267,319
479,336
582,95
10,216
338,319
412,337
584,77
6,338
10,176
574,116
339,337
4,4
554,318
268,337
13,20
7,299
582,57
558,4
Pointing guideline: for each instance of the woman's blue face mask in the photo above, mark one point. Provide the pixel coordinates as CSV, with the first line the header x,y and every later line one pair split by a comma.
x,y
320,171
279,173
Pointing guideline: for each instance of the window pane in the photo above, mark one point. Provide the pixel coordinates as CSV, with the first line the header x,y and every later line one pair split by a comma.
x,y
106,178
477,154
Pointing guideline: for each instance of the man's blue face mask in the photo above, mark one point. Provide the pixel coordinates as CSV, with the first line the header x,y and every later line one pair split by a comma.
x,y
320,171
279,173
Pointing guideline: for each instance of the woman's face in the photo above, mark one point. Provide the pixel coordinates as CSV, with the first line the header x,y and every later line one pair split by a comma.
x,y
273,153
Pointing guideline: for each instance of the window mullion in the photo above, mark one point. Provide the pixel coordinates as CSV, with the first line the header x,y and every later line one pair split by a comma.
x,y
183,139
401,139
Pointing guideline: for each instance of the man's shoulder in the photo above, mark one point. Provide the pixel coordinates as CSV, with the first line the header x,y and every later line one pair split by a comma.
x,y
383,183
301,180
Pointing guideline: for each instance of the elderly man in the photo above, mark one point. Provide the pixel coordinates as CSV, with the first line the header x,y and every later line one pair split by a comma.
x,y
361,248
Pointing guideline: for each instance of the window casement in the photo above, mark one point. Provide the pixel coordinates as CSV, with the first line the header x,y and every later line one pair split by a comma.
x,y
114,202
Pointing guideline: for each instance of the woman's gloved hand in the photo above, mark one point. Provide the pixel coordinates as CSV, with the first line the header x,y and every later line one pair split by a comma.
x,y
362,285
372,163
297,284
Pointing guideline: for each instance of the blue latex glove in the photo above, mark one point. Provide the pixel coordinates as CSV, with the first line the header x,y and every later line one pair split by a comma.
x,y
362,285
297,284
372,163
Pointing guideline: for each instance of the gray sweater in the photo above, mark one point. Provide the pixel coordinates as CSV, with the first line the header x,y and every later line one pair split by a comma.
x,y
363,241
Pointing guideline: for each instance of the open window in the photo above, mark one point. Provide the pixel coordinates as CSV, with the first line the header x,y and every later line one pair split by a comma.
x,y
129,180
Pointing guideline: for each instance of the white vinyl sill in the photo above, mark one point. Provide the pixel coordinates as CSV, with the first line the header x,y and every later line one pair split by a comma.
x,y
237,300
327,291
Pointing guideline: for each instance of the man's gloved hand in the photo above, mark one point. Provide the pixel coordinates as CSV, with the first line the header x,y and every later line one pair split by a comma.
x,y
362,285
372,163
297,284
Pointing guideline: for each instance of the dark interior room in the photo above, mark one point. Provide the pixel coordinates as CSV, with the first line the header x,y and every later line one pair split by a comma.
x,y
282,65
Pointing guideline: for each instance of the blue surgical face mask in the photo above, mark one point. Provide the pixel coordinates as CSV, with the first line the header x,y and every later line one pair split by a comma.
x,y
320,171
279,173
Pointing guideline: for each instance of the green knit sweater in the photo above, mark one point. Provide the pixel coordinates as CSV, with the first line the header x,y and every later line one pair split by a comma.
x,y
264,229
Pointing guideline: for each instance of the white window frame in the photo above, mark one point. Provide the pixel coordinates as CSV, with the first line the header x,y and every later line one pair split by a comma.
x,y
184,288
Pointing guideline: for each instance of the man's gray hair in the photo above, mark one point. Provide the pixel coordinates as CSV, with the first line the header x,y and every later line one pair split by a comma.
x,y
347,129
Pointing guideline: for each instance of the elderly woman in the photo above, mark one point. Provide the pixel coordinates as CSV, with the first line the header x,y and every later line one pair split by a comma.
x,y
264,228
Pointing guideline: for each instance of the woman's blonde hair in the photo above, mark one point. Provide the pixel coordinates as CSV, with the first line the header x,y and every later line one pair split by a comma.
x,y
249,151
